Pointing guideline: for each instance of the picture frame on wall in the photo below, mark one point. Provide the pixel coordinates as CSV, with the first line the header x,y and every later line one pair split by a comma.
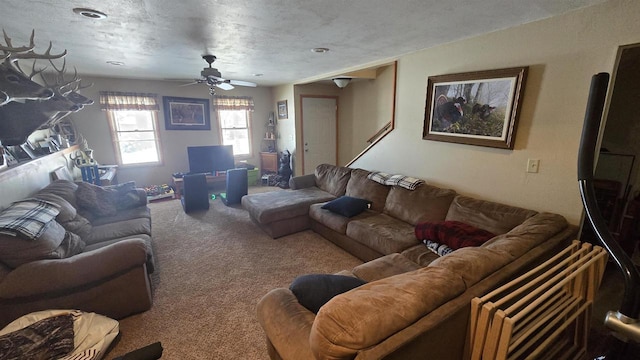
x,y
476,108
283,112
182,113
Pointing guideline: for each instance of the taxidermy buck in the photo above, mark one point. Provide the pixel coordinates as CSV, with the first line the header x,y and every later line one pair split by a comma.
x,y
68,90
19,120
15,85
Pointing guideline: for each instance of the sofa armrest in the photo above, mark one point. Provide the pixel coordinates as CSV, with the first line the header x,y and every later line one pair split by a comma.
x,y
302,182
286,323
61,275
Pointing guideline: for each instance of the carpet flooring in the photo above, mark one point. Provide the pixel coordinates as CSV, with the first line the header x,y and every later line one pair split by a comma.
x,y
212,268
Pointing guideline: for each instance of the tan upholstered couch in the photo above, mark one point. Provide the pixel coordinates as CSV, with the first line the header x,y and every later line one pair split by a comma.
x,y
95,260
415,304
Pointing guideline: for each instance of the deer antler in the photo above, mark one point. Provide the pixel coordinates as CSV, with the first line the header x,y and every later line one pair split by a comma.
x,y
60,80
47,55
10,49
79,86
34,72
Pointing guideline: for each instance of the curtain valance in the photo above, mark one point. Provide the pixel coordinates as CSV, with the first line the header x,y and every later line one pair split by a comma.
x,y
114,100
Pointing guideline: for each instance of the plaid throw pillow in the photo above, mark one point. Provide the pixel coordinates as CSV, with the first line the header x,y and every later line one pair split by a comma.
x,y
454,234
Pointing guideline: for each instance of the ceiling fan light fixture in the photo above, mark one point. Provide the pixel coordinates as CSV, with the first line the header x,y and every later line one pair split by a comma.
x,y
90,13
341,82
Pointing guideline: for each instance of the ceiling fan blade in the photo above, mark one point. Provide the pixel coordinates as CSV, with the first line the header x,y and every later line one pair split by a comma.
x,y
242,83
196,81
224,86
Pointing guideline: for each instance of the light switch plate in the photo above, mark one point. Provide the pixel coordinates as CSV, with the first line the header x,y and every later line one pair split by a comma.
x,y
533,165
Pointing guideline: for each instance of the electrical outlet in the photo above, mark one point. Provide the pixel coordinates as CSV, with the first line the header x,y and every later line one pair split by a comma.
x,y
533,165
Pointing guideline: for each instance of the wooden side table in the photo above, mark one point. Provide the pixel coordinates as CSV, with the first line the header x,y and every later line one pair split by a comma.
x,y
268,162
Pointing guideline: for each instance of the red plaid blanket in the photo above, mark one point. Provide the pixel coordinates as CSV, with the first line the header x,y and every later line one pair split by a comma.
x,y
454,234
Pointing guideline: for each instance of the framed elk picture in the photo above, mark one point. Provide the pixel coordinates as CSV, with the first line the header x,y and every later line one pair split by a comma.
x,y
476,108
182,113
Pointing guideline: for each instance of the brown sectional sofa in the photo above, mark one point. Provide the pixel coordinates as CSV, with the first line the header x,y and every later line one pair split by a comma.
x,y
104,270
416,304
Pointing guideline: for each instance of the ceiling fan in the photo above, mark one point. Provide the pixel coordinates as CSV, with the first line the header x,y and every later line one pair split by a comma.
x,y
213,78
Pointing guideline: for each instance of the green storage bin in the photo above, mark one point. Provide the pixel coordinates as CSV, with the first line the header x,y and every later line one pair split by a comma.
x,y
253,176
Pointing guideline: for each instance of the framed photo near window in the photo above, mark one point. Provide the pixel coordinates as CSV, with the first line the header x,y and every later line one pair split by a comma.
x,y
186,113
476,108
282,110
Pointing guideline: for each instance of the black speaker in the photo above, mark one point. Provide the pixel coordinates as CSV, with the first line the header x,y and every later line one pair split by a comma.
x,y
237,186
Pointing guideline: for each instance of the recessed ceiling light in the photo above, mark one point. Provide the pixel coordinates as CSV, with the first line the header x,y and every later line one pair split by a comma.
x,y
258,74
319,50
115,63
90,13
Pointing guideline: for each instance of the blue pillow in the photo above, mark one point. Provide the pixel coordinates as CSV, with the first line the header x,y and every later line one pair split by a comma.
x,y
347,206
315,290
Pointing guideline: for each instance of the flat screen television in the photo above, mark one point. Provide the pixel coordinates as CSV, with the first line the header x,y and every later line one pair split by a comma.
x,y
209,159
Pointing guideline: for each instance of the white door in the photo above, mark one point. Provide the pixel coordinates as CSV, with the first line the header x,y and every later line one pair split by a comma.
x,y
319,132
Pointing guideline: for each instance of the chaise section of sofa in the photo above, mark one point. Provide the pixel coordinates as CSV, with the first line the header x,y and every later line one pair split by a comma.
x,y
285,212
99,262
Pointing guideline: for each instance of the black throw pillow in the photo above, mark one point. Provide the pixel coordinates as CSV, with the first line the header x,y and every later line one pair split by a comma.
x,y
315,290
347,206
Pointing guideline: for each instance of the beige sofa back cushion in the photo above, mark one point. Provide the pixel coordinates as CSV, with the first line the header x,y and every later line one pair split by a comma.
x,y
332,179
361,187
426,203
67,211
364,316
487,215
15,250
64,188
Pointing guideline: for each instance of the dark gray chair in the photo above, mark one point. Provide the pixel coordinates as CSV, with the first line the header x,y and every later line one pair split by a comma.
x,y
195,193
237,186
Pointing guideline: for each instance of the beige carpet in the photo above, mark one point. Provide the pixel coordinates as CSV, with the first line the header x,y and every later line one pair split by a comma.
x,y
212,268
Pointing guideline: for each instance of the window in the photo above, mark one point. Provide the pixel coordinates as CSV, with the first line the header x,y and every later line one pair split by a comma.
x,y
135,136
134,130
234,121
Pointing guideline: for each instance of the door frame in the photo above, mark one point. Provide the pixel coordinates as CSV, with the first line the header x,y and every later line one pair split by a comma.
x,y
337,99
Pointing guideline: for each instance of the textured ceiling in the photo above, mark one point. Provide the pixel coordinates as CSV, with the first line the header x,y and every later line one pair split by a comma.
x,y
164,39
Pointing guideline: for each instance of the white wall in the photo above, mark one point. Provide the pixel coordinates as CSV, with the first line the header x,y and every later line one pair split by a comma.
x,y
562,54
92,123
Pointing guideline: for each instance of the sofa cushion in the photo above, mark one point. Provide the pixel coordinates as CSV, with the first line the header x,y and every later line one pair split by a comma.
x,y
96,199
528,235
420,255
333,221
473,264
363,317
78,225
315,290
332,179
347,206
494,217
67,211
64,188
142,237
382,233
118,230
122,215
453,234
54,243
360,186
388,265
426,203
